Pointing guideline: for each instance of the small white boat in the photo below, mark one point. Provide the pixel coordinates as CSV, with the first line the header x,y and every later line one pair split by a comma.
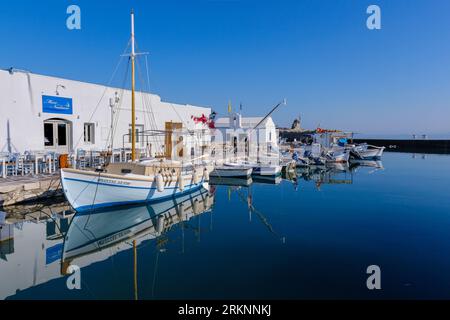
x,y
365,151
230,170
259,169
337,154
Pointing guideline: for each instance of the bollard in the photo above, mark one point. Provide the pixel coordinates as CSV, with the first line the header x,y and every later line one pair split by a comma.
x,y
4,168
49,164
36,168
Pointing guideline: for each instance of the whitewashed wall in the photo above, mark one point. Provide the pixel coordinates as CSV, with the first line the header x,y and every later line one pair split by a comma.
x,y
21,105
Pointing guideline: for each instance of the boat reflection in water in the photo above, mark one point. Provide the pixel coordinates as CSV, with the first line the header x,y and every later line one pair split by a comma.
x,y
331,173
244,182
377,164
90,233
226,181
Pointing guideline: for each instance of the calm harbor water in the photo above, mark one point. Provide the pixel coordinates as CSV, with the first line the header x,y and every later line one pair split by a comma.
x,y
303,238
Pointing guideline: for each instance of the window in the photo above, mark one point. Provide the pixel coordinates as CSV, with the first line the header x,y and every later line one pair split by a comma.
x,y
62,134
48,134
89,133
139,131
270,136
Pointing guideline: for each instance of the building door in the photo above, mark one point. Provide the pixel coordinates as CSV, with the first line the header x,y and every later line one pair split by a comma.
x,y
170,126
57,135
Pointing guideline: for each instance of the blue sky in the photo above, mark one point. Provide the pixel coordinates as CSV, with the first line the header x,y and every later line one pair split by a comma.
x,y
318,54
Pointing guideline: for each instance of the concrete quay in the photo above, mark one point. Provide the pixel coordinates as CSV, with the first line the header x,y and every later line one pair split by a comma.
x,y
19,189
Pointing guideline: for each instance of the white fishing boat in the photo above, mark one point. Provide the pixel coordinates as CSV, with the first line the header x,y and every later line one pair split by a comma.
x,y
231,170
337,154
259,169
314,154
132,182
365,151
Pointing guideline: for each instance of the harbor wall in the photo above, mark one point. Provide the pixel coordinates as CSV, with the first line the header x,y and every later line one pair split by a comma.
x,y
32,189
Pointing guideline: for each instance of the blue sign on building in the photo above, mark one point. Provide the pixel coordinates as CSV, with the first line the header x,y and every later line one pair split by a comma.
x,y
60,105
53,253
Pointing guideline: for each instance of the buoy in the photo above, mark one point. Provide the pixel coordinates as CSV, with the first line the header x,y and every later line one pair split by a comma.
x,y
195,207
195,177
181,213
291,166
180,182
160,224
207,201
205,175
159,182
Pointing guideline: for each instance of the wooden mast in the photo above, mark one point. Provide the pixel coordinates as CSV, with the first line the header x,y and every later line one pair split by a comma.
x,y
133,108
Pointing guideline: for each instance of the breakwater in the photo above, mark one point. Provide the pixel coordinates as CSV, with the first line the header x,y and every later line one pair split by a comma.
x,y
439,146
417,146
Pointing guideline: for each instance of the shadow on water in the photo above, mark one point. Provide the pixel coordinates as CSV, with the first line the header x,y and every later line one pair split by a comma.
x,y
310,233
83,239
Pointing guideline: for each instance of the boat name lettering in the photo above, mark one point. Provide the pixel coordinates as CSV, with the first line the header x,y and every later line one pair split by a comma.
x,y
114,181
112,238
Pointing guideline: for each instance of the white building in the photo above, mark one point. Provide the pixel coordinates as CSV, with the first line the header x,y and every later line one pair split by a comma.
x,y
39,112
253,137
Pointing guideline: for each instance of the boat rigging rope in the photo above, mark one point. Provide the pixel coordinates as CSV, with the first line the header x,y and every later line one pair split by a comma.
x,y
147,106
146,103
104,91
118,108
96,189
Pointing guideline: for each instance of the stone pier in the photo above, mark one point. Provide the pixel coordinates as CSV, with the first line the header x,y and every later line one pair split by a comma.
x,y
18,189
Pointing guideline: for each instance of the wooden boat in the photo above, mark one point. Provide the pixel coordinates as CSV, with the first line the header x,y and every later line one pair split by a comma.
x,y
132,182
365,151
229,170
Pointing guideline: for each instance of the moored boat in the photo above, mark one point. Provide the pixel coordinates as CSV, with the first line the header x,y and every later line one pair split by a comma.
x,y
134,182
131,183
337,154
365,151
232,171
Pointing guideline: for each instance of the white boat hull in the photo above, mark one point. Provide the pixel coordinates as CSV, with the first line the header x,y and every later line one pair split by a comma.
x,y
367,152
339,156
231,172
91,190
257,168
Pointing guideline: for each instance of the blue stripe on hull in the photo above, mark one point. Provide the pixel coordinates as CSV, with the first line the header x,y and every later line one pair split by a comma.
x,y
120,186
148,200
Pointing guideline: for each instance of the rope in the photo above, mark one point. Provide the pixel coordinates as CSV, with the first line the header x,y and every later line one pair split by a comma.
x,y
104,91
111,135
